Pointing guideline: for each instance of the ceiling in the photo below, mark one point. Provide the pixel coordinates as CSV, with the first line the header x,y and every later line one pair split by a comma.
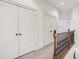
x,y
68,4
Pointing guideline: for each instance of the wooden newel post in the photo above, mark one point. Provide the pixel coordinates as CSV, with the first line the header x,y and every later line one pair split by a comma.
x,y
54,35
69,38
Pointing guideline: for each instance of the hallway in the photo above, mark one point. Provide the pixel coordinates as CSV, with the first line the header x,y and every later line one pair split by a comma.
x,y
39,29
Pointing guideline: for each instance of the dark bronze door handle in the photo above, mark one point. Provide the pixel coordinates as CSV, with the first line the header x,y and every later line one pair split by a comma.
x,y
16,34
20,34
50,31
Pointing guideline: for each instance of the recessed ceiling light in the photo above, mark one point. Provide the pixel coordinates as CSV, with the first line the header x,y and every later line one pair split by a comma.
x,y
62,3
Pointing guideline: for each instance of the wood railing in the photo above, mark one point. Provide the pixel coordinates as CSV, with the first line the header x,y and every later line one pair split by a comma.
x,y
62,43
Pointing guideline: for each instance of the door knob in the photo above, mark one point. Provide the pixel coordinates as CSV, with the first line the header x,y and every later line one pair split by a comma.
x,y
16,34
20,34
50,31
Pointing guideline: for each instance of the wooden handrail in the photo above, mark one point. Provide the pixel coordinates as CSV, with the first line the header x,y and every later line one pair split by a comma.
x,y
62,43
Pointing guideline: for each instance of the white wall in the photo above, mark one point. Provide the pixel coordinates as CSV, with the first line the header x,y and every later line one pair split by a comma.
x,y
75,25
65,15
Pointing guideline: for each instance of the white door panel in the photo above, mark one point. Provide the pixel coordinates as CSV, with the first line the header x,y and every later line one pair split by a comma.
x,y
49,24
38,31
8,29
27,29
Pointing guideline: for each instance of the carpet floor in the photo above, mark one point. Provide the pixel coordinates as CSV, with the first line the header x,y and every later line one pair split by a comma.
x,y
44,53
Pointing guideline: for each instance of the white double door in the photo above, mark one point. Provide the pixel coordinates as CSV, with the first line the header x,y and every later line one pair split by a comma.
x,y
17,31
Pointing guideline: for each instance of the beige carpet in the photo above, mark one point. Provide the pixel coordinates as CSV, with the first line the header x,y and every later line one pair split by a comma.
x,y
44,53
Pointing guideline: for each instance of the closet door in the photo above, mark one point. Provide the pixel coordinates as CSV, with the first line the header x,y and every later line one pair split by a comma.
x,y
26,31
53,26
49,24
8,30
